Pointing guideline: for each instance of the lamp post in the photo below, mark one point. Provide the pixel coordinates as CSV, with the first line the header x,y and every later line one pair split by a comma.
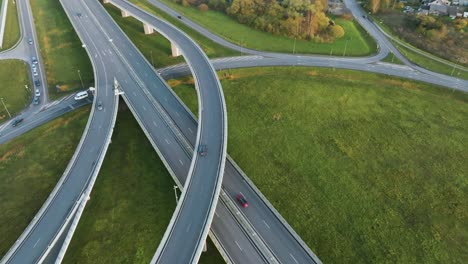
x,y
294,46
175,193
152,62
346,46
79,74
4,105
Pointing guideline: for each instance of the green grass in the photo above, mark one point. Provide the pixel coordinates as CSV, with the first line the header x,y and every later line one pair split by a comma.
x,y
431,64
60,48
14,75
12,30
359,42
365,167
209,47
131,204
392,59
30,166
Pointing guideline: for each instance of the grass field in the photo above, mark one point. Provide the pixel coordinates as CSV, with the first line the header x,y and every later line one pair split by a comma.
x,y
12,30
209,47
30,166
392,59
131,204
366,168
14,75
431,64
60,48
356,41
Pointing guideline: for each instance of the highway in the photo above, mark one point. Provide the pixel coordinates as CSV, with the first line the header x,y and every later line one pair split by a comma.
x,y
24,51
233,240
47,225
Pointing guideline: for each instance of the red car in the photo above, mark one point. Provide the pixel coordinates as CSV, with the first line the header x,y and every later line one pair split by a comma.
x,y
241,199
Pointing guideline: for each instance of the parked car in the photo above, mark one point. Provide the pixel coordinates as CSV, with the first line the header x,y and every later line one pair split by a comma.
x,y
37,93
34,60
34,69
202,150
17,121
30,41
37,83
241,199
81,95
36,101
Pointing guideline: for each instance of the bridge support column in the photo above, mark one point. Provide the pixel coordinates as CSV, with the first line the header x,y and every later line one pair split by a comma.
x,y
148,29
125,13
105,1
175,50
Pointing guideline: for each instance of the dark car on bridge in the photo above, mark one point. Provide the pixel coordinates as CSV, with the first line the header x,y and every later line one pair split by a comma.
x,y
241,199
17,121
202,150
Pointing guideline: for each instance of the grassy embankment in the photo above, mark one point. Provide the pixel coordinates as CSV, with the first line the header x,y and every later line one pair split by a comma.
x,y
14,75
432,65
356,40
392,59
30,166
158,44
12,29
427,61
61,49
364,167
131,204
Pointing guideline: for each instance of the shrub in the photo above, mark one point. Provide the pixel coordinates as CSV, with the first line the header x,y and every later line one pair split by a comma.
x,y
203,7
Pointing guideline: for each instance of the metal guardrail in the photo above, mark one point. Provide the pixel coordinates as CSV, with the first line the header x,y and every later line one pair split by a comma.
x,y
3,15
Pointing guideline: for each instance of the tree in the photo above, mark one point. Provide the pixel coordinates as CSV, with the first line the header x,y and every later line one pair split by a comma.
x,y
338,31
374,6
203,7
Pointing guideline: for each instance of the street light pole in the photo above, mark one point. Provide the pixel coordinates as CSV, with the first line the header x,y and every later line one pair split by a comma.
x,y
346,46
294,47
4,105
152,62
79,74
175,193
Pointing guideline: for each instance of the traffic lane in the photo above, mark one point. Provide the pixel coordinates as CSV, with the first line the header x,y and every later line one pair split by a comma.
x,y
270,229
52,219
8,133
226,228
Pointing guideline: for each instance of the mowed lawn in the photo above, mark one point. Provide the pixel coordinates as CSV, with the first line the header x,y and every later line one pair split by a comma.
x,y
60,48
12,30
210,48
30,166
365,167
356,41
130,206
14,75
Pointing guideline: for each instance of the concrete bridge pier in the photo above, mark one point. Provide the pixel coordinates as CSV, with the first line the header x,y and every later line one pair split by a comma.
x,y
125,13
105,1
175,50
148,29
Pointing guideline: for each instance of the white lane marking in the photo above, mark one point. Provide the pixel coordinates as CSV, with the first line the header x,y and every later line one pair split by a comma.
x,y
144,108
216,213
189,129
295,260
181,163
266,224
188,227
35,244
238,245
167,141
177,113
155,124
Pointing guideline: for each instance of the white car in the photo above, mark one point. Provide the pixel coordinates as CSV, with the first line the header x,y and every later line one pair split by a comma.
x,y
37,93
34,69
81,95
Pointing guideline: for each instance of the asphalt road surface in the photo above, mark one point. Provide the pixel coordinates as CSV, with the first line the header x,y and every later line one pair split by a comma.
x,y
48,223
